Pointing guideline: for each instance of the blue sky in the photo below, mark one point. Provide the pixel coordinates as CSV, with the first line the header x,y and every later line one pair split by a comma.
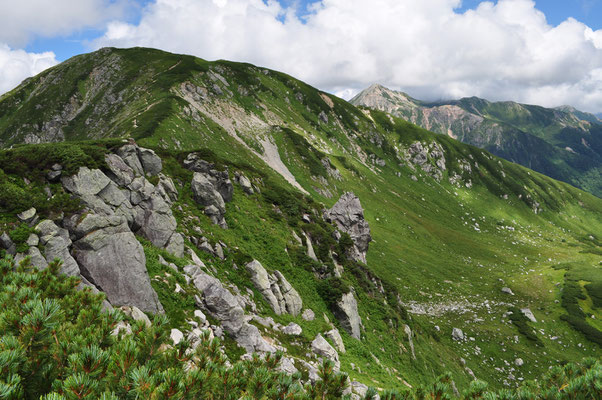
x,y
431,49
556,11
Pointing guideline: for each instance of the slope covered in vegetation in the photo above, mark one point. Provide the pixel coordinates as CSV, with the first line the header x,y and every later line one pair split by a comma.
x,y
460,238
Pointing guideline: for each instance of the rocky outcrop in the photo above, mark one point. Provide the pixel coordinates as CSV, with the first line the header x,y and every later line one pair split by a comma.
x,y
346,313
348,216
428,157
125,191
210,188
225,307
276,290
322,348
110,257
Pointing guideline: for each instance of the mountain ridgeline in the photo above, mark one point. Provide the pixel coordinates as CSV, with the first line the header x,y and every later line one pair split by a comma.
x,y
563,143
246,205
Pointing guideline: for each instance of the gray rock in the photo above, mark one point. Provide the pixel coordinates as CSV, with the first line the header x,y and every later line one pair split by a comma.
x,y
86,182
175,245
33,240
519,362
347,314
276,290
457,334
151,162
244,183
292,301
120,172
6,243
37,259
348,216
129,154
336,338
205,194
28,215
167,189
176,336
408,332
507,291
219,251
292,329
136,314
157,227
224,306
57,243
287,366
322,348
261,280
308,314
113,260
529,314
359,389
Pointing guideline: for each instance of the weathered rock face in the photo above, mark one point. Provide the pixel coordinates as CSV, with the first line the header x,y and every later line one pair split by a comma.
x,y
225,307
277,291
322,348
210,188
348,215
110,257
57,243
124,191
346,313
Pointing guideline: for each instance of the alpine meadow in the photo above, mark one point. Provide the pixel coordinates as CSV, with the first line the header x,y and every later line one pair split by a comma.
x,y
174,228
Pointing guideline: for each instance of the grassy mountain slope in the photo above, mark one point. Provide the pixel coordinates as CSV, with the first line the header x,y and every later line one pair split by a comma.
x,y
563,143
448,234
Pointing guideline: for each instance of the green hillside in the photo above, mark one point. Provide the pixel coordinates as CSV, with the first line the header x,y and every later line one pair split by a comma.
x,y
451,224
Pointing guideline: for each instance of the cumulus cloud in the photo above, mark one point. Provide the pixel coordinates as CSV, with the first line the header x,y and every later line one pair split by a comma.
x,y
16,65
23,20
501,51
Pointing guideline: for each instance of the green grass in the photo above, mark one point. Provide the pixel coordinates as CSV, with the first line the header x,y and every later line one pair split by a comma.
x,y
425,247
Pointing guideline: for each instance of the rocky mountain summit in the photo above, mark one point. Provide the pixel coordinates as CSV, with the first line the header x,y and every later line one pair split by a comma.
x,y
563,142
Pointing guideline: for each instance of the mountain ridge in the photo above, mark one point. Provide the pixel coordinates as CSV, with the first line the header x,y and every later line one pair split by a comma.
x,y
563,143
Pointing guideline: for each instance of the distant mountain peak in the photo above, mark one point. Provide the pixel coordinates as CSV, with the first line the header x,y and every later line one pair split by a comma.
x,y
531,135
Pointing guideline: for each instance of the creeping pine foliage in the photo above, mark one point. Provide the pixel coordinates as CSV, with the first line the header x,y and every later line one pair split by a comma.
x,y
58,343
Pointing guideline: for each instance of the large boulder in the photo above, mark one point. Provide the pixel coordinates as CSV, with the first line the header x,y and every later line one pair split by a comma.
x,y
348,216
151,162
113,260
347,314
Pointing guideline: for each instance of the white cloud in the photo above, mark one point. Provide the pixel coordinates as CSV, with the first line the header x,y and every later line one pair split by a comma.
x,y
23,20
503,50
16,65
